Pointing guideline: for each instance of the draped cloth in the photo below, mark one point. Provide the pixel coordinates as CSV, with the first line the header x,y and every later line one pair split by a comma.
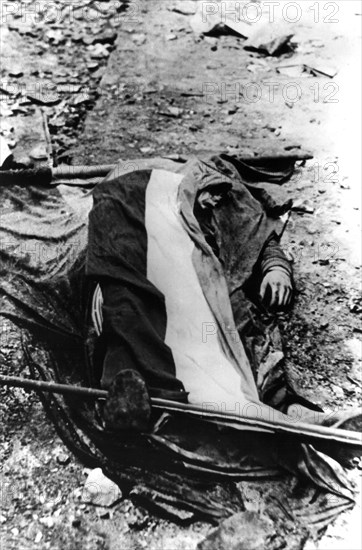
x,y
186,467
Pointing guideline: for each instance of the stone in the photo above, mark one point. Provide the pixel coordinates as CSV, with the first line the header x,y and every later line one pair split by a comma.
x,y
185,7
63,458
243,531
98,51
99,490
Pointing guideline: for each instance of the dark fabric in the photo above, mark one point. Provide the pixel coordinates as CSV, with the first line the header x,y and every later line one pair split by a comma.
x,y
134,310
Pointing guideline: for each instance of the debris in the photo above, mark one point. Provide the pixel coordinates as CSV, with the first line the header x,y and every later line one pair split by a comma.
x,y
138,519
98,51
139,38
103,513
47,98
353,380
106,37
293,70
190,93
47,521
185,7
145,150
291,147
17,109
92,65
83,97
55,36
219,21
8,91
12,143
212,41
337,391
304,206
22,28
270,38
171,36
258,65
303,70
63,459
76,522
174,112
321,70
355,304
243,531
205,25
16,73
39,153
99,490
6,110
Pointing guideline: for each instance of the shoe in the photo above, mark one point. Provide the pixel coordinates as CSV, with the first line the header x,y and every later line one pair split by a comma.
x,y
128,406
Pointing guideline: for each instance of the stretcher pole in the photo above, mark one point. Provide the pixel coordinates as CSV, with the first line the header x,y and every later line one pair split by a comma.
x,y
291,427
47,176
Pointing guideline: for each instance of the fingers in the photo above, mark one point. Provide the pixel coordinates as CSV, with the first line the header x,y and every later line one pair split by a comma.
x,y
274,295
277,292
289,296
263,286
283,291
285,296
281,295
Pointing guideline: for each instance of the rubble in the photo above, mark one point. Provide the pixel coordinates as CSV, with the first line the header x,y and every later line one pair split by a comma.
x,y
270,39
243,531
303,70
99,490
185,7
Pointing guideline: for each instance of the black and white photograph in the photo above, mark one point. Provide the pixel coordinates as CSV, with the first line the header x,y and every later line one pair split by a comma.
x,y
180,275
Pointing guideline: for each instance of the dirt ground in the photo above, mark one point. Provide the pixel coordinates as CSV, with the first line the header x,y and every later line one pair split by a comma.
x,y
150,87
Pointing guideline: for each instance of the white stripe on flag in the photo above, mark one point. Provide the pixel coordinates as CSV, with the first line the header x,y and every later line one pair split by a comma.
x,y
191,328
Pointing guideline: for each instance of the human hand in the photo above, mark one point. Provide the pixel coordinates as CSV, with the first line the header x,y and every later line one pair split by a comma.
x,y
276,288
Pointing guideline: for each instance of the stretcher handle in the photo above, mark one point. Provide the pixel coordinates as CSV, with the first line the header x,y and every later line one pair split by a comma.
x,y
311,431
48,176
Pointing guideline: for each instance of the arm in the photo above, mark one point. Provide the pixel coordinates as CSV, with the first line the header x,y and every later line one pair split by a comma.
x,y
276,286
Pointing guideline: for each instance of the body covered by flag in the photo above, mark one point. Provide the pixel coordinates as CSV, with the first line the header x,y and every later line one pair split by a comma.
x,y
167,310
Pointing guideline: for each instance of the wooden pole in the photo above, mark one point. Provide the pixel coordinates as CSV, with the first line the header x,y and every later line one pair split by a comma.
x,y
47,176
290,427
